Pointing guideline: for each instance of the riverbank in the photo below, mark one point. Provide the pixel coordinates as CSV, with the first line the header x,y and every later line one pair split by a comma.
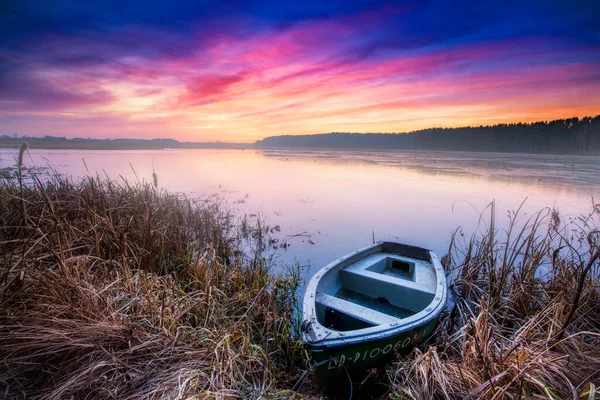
x,y
114,290
169,144
571,136
526,322
122,291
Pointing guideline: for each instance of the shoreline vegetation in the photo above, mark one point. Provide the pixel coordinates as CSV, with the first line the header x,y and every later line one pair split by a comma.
x,y
112,290
576,136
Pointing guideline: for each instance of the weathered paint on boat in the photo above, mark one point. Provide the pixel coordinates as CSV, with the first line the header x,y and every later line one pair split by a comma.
x,y
335,365
338,355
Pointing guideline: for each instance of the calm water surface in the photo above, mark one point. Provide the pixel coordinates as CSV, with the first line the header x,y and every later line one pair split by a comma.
x,y
329,203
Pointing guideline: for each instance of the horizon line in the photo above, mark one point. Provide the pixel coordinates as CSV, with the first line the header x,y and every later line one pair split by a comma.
x,y
55,137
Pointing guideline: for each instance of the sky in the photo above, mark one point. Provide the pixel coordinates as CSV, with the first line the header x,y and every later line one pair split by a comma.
x,y
239,71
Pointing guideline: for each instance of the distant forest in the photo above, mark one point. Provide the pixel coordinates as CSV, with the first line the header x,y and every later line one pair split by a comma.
x,y
572,135
562,136
57,142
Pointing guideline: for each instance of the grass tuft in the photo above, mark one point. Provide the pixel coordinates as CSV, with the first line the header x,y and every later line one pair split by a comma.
x,y
526,321
126,292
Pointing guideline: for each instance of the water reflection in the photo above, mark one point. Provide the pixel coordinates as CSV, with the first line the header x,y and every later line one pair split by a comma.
x,y
579,173
329,203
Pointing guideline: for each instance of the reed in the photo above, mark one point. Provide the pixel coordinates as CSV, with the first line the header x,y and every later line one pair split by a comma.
x,y
24,147
122,291
526,321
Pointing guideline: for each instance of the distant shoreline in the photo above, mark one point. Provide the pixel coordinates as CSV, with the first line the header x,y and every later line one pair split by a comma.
x,y
116,144
69,144
572,136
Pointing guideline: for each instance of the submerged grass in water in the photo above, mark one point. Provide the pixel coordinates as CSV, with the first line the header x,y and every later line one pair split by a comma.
x,y
122,291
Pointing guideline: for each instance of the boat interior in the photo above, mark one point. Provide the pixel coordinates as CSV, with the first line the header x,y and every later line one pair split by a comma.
x,y
379,289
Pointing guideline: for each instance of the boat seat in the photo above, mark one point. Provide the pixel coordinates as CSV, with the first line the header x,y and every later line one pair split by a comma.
x,y
354,310
399,292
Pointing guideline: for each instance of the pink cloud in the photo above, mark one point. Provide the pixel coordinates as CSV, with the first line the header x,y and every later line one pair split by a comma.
x,y
202,89
315,74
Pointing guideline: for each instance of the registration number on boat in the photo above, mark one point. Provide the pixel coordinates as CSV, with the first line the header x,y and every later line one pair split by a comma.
x,y
372,353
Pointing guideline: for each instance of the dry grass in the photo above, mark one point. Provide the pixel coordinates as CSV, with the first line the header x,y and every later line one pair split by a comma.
x,y
121,291
117,291
527,318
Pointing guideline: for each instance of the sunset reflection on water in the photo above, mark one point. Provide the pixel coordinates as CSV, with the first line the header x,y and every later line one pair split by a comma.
x,y
329,203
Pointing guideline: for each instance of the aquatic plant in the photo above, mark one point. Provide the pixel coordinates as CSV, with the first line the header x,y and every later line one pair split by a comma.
x,y
113,290
526,320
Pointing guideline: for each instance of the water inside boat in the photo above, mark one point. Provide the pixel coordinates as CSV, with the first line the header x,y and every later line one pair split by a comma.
x,y
379,289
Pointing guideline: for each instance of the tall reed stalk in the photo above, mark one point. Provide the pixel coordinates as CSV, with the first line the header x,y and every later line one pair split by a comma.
x,y
526,320
24,147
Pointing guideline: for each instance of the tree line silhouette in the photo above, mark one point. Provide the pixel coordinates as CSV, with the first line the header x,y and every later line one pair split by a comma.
x,y
571,135
562,136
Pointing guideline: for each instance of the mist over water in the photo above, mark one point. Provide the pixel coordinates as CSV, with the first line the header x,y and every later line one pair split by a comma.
x,y
329,203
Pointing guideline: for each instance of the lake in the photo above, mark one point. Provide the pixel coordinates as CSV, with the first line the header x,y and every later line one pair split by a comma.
x,y
329,203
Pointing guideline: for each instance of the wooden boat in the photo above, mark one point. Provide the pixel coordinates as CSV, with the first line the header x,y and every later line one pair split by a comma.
x,y
364,307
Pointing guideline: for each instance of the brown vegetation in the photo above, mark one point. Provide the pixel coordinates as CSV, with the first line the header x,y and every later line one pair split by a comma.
x,y
527,318
115,291
125,292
